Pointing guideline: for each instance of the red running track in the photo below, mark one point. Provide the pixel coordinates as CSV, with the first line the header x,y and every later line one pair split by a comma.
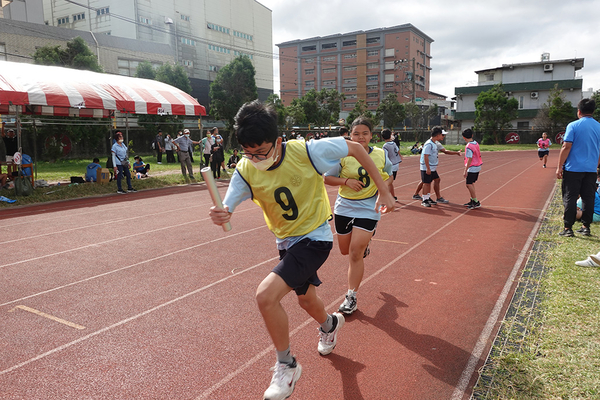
x,y
140,296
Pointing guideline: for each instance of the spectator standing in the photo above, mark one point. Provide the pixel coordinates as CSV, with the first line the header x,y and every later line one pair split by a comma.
x,y
91,171
120,161
159,144
184,144
169,149
577,167
206,144
543,148
217,157
10,141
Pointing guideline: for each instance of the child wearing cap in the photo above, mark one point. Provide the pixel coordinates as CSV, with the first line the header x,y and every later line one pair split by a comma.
x,y
473,165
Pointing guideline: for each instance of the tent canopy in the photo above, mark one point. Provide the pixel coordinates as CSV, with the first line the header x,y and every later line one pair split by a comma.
x,y
64,91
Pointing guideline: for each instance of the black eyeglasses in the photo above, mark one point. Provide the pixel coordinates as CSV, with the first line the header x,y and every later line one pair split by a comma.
x,y
259,157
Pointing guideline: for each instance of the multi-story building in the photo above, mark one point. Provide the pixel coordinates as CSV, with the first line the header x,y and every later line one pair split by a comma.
x,y
363,65
203,35
529,83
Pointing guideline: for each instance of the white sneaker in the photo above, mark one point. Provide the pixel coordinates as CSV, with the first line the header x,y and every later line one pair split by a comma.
x,y
591,261
327,341
349,305
283,381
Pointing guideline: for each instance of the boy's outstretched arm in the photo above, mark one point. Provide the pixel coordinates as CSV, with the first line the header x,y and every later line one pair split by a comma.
x,y
385,200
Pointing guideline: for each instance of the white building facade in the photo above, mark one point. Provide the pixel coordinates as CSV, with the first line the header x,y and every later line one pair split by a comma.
x,y
529,83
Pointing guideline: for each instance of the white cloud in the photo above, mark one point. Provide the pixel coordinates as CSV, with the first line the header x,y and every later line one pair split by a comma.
x,y
468,35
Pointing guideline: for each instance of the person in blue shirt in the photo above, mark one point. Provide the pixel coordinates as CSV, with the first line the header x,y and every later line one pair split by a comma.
x,y
577,167
91,170
121,163
140,168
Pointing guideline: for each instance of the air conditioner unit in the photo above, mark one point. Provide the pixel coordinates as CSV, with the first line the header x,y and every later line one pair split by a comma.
x,y
548,67
534,95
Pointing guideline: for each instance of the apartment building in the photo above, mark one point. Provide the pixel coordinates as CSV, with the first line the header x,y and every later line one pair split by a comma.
x,y
529,83
362,65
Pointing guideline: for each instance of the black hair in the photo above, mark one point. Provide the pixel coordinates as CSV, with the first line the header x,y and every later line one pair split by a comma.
x,y
468,133
96,160
587,106
255,124
343,130
436,130
386,134
362,120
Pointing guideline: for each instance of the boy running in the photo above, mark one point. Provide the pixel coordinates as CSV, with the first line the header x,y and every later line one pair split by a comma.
x,y
472,167
429,163
391,151
543,148
285,180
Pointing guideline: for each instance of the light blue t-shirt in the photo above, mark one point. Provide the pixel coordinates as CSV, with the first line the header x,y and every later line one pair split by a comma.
x,y
469,154
431,149
584,134
324,154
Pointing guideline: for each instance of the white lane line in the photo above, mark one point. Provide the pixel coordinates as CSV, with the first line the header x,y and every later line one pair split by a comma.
x,y
132,318
49,316
484,337
131,266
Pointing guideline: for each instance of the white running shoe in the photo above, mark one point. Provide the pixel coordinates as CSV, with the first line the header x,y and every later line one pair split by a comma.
x,y
327,341
349,305
284,380
591,261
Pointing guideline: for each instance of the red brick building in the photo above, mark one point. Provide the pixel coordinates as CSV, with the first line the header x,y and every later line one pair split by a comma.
x,y
362,65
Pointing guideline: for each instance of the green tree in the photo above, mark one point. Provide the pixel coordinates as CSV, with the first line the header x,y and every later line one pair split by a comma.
x,y
310,105
555,113
296,112
596,97
274,101
234,86
360,109
175,76
493,112
145,70
390,111
330,105
77,55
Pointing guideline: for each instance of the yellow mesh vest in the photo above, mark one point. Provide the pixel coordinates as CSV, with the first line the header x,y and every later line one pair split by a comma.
x,y
292,196
352,169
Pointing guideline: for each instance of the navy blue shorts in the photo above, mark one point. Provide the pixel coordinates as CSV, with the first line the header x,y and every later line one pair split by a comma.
x,y
344,225
299,264
429,178
542,153
472,177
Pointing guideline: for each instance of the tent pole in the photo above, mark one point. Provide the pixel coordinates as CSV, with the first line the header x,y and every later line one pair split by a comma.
x,y
127,129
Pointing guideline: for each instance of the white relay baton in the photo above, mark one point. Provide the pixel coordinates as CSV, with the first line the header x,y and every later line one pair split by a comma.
x,y
214,193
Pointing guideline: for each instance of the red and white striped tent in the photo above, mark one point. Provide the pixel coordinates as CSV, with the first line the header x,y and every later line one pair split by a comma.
x,y
61,91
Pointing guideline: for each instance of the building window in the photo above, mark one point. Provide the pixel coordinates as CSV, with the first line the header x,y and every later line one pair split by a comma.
x,y
350,89
329,59
329,45
389,65
373,40
189,42
349,43
372,95
309,48
329,82
62,21
187,63
372,87
372,78
489,77
372,53
372,65
309,71
389,52
78,17
213,68
351,96
523,125
102,11
309,60
145,20
329,70
389,85
349,105
352,68
350,55
127,67
218,49
185,17
521,102
241,35
309,84
350,80
389,77
372,103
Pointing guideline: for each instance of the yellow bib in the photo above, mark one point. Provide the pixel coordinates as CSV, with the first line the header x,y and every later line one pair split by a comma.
x,y
352,169
292,196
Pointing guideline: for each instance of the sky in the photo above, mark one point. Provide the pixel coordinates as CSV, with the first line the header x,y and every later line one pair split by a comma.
x,y
468,35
